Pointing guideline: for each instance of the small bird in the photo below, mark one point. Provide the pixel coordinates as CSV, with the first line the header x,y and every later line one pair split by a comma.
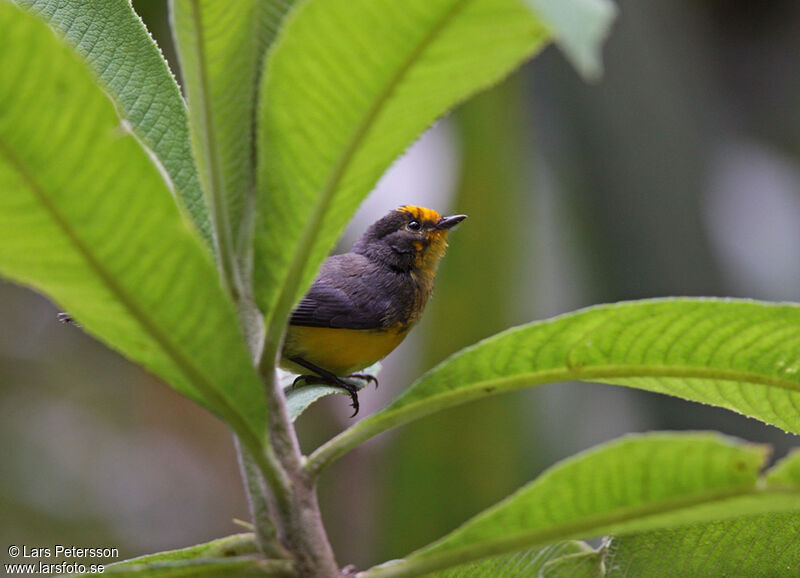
x,y
364,303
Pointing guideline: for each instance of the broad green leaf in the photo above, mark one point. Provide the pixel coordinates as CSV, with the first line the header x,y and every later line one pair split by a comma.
x,y
763,546
87,219
527,563
121,53
736,354
299,397
348,85
753,546
221,45
635,484
579,29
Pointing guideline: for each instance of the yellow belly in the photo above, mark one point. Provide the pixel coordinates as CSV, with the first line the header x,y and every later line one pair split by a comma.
x,y
340,351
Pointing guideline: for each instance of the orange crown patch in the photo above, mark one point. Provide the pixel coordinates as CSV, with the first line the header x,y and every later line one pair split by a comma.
x,y
421,213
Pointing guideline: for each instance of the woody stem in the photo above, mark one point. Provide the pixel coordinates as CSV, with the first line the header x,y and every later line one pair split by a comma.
x,y
300,526
282,498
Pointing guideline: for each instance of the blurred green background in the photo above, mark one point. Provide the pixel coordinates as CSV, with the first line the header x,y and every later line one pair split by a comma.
x,y
677,174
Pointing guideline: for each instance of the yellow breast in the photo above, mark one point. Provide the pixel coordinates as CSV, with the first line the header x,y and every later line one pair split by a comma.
x,y
340,351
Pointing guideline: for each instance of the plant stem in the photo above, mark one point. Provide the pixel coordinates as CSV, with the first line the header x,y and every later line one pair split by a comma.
x,y
258,504
262,476
300,525
267,486
278,489
281,496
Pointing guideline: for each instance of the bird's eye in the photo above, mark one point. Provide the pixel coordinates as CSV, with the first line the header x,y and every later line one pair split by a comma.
x,y
414,226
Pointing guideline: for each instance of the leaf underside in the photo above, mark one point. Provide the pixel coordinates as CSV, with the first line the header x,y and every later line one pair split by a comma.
x,y
737,354
139,81
754,546
526,563
87,219
632,485
221,47
348,86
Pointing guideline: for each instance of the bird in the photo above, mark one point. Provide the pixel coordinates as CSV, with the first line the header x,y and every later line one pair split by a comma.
x,y
363,303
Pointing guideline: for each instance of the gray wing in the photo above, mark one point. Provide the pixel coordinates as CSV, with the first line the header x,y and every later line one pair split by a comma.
x,y
343,296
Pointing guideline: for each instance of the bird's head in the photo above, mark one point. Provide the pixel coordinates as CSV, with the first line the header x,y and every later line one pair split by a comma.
x,y
409,239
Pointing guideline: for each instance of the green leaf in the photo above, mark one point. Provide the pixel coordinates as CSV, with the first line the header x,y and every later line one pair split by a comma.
x,y
87,219
235,555
635,484
227,547
299,397
348,86
116,45
241,567
740,355
527,563
221,45
579,29
753,546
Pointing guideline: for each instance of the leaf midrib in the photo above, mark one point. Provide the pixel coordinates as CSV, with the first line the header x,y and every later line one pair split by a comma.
x,y
296,268
148,326
389,418
581,528
217,197
534,378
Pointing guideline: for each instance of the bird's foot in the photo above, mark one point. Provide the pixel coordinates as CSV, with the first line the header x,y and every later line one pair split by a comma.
x,y
365,377
335,382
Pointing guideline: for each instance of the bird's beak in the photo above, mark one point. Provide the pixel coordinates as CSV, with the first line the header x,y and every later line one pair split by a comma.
x,y
450,222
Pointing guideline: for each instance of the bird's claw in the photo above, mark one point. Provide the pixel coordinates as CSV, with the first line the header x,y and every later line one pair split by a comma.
x,y
298,379
365,377
334,381
353,391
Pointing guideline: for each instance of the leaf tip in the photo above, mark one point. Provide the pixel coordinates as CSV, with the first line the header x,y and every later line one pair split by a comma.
x,y
579,28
